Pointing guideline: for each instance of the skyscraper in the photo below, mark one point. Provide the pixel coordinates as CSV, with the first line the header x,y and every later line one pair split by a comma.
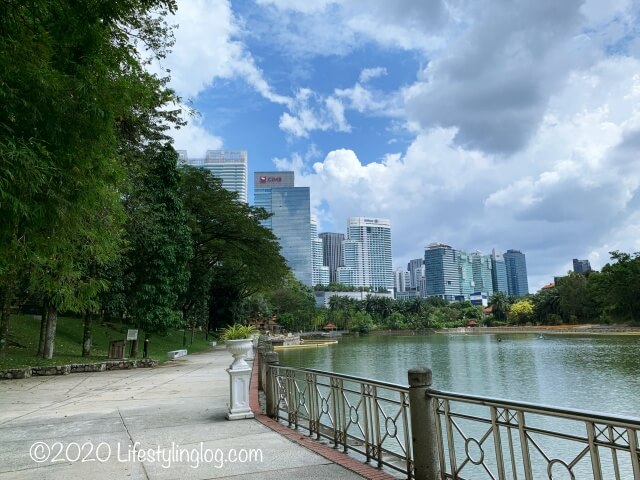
x,y
291,219
482,272
353,272
416,271
375,236
498,273
332,252
516,264
228,165
319,272
465,269
442,272
367,254
581,266
401,280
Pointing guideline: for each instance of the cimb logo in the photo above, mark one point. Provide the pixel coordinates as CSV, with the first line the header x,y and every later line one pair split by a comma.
x,y
270,179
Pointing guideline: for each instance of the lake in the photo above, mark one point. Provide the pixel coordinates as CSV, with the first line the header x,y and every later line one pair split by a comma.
x,y
592,372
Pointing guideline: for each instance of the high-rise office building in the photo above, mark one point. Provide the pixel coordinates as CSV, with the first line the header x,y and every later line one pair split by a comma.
x,y
319,272
498,272
401,280
482,273
442,271
416,271
228,165
465,269
353,272
332,252
375,236
516,264
291,219
581,266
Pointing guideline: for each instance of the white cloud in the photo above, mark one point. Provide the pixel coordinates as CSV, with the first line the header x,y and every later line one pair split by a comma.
x,y
309,112
369,73
208,47
573,192
338,27
195,138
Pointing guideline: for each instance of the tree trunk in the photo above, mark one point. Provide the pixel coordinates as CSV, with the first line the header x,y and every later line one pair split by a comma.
x,y
5,312
50,338
86,337
43,327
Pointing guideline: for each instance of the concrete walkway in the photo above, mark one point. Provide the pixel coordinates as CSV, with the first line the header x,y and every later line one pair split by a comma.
x,y
162,423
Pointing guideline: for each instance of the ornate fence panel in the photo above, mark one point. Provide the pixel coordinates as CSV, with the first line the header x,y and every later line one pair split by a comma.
x,y
364,416
477,438
485,438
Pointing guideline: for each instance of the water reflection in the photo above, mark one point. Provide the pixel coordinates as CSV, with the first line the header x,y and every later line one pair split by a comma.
x,y
589,372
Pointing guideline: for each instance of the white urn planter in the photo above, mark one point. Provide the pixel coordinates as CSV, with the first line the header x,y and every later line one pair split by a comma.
x,y
239,379
239,349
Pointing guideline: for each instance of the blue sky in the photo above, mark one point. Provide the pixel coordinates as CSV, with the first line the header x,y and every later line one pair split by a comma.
x,y
482,124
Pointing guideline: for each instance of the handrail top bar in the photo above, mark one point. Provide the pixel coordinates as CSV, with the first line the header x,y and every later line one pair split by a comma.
x,y
539,408
633,422
395,386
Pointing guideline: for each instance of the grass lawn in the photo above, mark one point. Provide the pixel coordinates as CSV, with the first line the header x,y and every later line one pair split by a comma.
x,y
25,331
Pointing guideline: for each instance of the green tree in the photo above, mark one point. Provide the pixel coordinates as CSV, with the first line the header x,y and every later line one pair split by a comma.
x,y
296,299
360,322
573,301
521,311
546,305
499,306
69,74
159,243
225,231
616,287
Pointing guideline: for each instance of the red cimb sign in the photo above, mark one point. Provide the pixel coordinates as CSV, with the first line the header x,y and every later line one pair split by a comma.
x,y
270,179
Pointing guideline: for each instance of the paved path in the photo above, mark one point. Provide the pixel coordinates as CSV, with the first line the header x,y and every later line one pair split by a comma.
x,y
178,409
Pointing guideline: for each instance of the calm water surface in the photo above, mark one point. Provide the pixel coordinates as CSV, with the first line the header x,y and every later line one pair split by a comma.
x,y
592,372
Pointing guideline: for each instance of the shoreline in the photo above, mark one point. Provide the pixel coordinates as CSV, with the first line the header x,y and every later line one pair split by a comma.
x,y
548,330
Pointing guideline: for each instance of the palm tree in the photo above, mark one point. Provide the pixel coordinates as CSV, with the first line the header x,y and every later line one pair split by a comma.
x,y
499,306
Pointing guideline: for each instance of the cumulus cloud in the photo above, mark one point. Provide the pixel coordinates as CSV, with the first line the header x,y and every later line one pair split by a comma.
x,y
319,27
573,191
195,138
369,73
494,82
310,111
208,47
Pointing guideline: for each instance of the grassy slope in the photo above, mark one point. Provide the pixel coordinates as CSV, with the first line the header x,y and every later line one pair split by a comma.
x,y
25,331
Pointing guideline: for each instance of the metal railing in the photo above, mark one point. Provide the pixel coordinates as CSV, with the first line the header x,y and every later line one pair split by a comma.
x,y
481,437
367,417
424,433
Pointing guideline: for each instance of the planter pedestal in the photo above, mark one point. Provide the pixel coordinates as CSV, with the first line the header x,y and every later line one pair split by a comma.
x,y
239,378
239,394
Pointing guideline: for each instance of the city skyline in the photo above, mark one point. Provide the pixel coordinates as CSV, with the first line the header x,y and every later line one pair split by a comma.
x,y
525,140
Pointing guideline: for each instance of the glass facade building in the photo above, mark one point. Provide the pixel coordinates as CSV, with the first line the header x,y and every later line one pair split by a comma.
x,y
442,271
581,266
516,265
498,273
482,272
332,252
291,219
319,272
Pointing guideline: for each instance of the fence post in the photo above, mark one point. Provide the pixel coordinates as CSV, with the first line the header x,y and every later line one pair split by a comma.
x,y
423,427
271,390
262,368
